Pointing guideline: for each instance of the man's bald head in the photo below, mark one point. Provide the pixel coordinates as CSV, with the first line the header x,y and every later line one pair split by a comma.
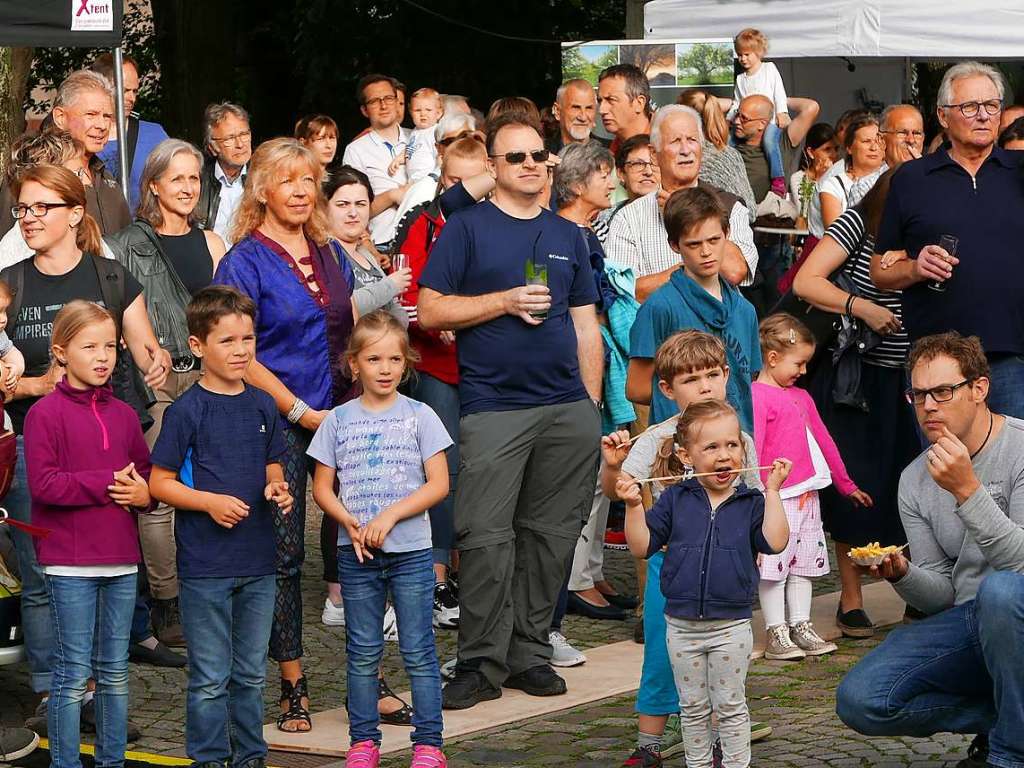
x,y
753,116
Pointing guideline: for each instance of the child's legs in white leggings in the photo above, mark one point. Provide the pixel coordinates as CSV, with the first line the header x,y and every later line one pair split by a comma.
x,y
709,661
785,602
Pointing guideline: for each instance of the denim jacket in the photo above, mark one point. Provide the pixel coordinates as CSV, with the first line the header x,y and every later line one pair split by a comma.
x,y
709,570
137,247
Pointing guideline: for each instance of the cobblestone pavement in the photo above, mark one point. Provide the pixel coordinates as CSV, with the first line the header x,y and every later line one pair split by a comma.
x,y
796,699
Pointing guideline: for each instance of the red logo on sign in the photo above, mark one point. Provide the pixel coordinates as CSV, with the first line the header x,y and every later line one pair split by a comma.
x,y
84,8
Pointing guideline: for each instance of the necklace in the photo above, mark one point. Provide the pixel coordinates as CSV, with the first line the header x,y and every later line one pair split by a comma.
x,y
991,421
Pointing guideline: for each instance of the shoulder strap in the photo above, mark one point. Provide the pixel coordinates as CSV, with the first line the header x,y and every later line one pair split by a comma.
x,y
130,143
14,275
112,287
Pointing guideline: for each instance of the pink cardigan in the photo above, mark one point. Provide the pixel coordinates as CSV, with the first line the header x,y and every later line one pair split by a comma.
x,y
781,420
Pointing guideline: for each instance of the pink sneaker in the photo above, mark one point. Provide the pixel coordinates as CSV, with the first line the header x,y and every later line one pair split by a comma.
x,y
363,754
426,756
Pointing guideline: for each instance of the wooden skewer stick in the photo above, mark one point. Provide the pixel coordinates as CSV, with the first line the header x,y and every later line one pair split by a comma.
x,y
699,474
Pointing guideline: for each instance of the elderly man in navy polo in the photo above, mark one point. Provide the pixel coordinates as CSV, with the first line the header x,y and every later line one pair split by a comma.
x,y
973,190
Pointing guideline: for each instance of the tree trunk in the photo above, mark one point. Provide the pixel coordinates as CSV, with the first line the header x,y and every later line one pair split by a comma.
x,y
635,18
196,46
15,64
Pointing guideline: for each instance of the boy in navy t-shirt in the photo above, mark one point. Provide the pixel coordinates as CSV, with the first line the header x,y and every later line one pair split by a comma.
x,y
218,462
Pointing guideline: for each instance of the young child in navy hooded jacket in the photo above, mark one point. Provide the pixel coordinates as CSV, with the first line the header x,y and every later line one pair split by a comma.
x,y
87,465
713,532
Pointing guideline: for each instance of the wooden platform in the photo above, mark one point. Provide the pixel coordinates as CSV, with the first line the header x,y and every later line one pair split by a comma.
x,y
611,670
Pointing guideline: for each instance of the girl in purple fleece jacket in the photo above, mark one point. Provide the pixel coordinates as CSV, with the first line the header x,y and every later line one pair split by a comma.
x,y
87,470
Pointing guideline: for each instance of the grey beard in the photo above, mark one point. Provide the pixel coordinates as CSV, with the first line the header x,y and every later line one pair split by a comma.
x,y
579,133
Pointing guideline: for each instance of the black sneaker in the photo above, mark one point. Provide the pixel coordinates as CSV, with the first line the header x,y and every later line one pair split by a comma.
x,y
644,757
161,656
467,689
977,753
16,743
87,722
854,623
446,607
537,681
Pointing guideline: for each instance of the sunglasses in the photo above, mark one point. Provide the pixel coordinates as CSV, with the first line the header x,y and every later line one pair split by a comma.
x,y
518,158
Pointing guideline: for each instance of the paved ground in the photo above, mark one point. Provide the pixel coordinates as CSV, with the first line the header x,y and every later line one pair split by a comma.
x,y
797,699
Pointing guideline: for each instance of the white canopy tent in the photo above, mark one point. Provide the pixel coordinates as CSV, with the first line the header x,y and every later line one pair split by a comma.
x,y
832,49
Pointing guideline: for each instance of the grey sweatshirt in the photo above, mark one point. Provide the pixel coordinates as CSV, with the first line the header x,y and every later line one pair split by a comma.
x,y
953,547
373,290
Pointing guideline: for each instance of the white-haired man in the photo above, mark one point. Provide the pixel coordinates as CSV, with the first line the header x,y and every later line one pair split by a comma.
x,y
575,109
971,190
229,144
637,236
84,107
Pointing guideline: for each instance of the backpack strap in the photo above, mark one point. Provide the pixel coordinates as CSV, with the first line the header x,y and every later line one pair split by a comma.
x,y
112,287
131,142
14,276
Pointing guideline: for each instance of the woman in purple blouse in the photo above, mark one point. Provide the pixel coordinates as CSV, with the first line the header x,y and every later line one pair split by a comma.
x,y
304,316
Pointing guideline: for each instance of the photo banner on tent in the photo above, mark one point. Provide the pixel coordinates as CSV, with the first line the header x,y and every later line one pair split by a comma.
x,y
61,23
671,66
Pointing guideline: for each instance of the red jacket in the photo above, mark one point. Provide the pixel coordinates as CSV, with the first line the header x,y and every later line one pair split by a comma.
x,y
415,237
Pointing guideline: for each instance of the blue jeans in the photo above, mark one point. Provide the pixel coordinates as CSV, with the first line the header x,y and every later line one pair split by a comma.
x,y
226,622
444,399
1006,395
91,623
409,577
956,671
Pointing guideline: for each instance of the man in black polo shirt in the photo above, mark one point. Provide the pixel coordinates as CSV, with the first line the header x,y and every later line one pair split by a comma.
x,y
973,190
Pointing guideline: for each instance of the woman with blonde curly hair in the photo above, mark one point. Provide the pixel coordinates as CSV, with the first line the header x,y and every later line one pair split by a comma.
x,y
304,312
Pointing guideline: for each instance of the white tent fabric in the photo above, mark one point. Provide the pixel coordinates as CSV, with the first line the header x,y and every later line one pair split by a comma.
x,y
799,28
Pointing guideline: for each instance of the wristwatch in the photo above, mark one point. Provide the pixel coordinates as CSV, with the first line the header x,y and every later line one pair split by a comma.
x,y
597,402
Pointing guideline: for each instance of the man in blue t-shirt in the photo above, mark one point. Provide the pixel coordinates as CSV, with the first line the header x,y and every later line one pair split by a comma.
x,y
530,369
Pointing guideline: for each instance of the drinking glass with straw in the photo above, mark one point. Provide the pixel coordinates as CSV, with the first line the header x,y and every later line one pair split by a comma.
x,y
537,274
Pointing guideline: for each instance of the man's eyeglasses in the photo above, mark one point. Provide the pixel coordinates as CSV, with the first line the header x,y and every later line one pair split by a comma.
x,y
235,138
906,135
741,118
380,101
971,108
940,394
639,165
39,210
518,158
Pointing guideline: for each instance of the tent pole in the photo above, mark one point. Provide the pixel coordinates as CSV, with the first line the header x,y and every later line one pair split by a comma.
x,y
122,122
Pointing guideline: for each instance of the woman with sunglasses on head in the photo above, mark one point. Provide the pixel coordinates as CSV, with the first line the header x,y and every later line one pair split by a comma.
x,y
173,259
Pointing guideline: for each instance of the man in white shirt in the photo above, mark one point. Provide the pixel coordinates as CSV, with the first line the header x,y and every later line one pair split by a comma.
x,y
229,142
373,151
637,235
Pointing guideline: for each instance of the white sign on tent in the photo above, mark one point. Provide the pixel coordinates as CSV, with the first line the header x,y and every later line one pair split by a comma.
x,y
92,15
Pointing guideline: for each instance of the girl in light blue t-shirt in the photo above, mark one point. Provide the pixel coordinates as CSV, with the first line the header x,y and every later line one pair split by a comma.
x,y
387,453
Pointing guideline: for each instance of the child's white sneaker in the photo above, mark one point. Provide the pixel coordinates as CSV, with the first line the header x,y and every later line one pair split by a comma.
x,y
333,615
390,624
809,641
780,645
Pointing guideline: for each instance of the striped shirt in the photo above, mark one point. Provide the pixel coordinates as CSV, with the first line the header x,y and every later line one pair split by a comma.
x,y
849,232
637,238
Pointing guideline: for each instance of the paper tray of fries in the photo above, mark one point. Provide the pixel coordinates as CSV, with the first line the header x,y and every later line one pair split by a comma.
x,y
872,554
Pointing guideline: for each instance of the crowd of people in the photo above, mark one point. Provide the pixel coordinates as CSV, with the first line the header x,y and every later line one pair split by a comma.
x,y
487,344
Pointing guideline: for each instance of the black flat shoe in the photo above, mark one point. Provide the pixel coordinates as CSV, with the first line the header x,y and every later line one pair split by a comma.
x,y
467,689
161,656
854,623
625,602
581,607
401,716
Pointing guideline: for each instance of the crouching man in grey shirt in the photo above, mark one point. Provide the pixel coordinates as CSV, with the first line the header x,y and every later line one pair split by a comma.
x,y
962,503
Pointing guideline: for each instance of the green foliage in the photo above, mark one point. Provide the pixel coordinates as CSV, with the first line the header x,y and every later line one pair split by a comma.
x,y
51,65
705,63
576,65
